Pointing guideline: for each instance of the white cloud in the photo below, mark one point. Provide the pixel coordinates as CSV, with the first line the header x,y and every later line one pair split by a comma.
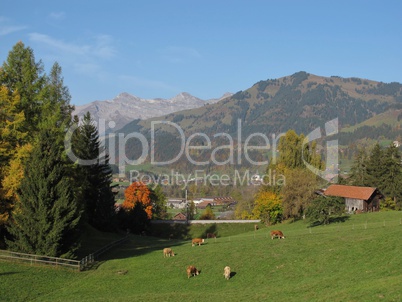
x,y
9,29
6,30
104,46
86,59
60,45
101,48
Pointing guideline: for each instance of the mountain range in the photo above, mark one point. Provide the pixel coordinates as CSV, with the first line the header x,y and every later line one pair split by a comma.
x,y
302,102
126,107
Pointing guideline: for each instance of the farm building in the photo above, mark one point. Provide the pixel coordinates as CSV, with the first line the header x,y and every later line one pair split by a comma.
x,y
180,216
215,201
176,203
363,199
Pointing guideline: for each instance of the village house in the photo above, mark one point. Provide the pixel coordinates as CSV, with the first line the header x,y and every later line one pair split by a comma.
x,y
357,198
176,203
180,216
215,201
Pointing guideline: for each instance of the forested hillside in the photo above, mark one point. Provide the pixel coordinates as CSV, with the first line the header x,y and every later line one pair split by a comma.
x,y
302,102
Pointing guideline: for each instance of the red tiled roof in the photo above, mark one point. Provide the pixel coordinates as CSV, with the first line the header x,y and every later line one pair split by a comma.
x,y
204,204
350,191
179,216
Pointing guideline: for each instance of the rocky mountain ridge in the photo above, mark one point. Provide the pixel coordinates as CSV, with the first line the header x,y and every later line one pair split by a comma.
x,y
125,108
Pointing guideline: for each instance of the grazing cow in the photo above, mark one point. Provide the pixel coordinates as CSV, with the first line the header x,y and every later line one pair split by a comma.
x,y
167,252
277,234
198,241
226,272
192,271
211,235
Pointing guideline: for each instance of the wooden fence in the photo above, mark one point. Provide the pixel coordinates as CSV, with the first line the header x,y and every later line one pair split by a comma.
x,y
203,221
91,258
60,262
39,259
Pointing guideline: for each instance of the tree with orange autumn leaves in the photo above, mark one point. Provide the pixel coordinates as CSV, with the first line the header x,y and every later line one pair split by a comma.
x,y
138,192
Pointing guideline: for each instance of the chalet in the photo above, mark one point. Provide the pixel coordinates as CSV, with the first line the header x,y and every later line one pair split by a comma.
x,y
180,216
363,199
226,200
215,201
176,203
205,203
197,200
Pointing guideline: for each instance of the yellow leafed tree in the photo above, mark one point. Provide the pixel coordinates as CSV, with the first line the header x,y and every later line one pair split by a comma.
x,y
13,150
268,207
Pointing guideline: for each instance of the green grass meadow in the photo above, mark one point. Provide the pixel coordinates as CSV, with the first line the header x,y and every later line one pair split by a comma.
x,y
356,260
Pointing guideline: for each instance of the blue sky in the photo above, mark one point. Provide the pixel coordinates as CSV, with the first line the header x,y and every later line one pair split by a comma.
x,y
206,48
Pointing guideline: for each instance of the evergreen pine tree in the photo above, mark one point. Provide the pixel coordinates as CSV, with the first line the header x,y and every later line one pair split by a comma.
x,y
56,108
375,168
95,178
47,216
392,179
158,200
358,176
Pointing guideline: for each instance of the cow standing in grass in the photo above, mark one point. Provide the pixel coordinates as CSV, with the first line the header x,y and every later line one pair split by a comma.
x,y
277,234
167,252
226,272
198,241
192,271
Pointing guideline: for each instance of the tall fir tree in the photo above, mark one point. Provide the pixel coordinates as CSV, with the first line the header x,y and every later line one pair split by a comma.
x,y
47,218
94,179
391,180
375,168
56,108
358,176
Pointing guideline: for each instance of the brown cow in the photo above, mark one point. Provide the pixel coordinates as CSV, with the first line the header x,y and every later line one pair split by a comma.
x,y
255,227
192,271
278,234
167,252
198,241
226,272
211,235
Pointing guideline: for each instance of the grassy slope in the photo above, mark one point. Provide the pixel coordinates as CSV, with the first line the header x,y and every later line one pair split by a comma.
x,y
359,260
389,117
